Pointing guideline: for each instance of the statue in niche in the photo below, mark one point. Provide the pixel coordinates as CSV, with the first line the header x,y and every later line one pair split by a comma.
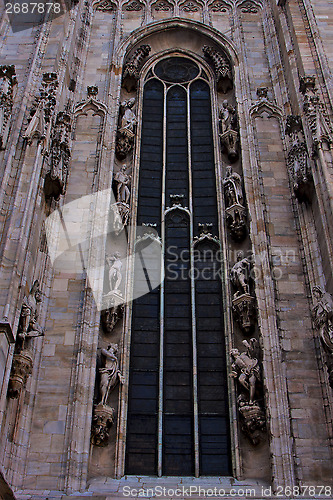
x,y
240,274
28,325
115,275
128,118
234,199
246,370
126,130
110,373
228,118
323,320
103,415
243,304
28,328
123,181
233,188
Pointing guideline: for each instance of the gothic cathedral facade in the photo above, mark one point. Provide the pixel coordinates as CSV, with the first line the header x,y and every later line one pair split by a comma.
x,y
166,251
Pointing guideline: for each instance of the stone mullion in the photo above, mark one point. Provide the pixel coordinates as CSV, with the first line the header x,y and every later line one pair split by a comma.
x,y
274,381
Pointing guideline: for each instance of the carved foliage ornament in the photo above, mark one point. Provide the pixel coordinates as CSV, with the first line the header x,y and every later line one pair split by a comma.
x,y
190,7
59,157
132,67
219,7
134,6
221,66
162,6
104,6
249,8
7,86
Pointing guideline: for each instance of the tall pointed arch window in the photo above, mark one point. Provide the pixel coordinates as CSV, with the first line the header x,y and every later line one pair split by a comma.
x,y
178,417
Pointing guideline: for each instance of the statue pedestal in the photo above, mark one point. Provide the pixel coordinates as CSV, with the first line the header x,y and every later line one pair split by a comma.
x,y
236,221
243,307
102,421
21,369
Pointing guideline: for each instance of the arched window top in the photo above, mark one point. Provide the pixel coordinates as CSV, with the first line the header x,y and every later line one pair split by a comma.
x,y
176,70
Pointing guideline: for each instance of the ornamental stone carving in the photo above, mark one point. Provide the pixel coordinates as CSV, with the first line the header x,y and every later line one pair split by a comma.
x,y
40,121
246,370
111,316
134,64
103,416
28,328
222,68
126,130
120,215
323,320
316,114
229,131
298,160
162,6
243,304
59,156
236,213
8,84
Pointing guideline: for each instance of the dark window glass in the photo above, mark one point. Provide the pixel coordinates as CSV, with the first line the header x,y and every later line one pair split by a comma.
x,y
176,70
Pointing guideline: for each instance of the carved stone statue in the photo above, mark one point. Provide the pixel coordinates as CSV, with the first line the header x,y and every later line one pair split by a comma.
x,y
316,113
246,370
28,325
115,275
240,274
111,316
59,157
298,159
235,211
126,131
227,117
110,373
7,88
128,118
123,181
323,320
233,188
243,304
103,415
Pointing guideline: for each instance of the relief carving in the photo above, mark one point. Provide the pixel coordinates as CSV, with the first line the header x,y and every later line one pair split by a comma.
x,y
323,320
236,213
246,370
298,160
134,64
222,68
126,130
8,84
243,304
229,131
103,415
59,157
